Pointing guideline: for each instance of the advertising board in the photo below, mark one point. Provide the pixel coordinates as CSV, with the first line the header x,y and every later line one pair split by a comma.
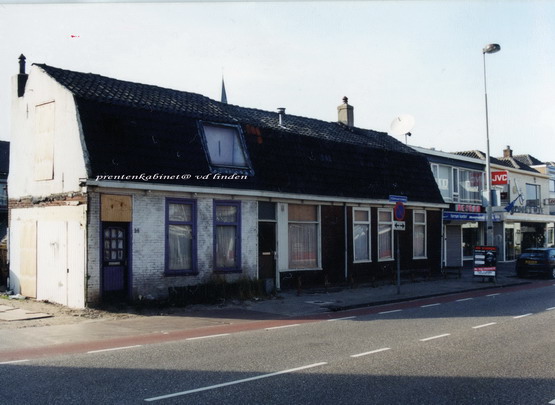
x,y
485,261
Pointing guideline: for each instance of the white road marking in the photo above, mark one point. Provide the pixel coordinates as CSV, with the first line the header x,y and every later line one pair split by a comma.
x,y
493,295
484,325
244,380
371,352
284,326
430,305
14,361
112,349
435,337
550,309
341,319
552,402
521,316
208,336
464,299
389,312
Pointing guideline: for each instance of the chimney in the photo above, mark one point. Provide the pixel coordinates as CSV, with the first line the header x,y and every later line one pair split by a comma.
x,y
281,115
21,77
508,152
345,113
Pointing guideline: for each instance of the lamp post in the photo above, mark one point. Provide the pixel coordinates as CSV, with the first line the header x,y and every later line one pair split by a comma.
x,y
490,48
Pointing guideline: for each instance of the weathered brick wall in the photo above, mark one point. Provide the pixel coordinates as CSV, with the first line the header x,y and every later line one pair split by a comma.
x,y
148,237
54,200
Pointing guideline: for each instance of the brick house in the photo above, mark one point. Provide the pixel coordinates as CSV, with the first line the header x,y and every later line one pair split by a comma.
x,y
120,189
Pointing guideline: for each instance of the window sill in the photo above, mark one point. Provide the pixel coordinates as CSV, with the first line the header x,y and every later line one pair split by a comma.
x,y
420,258
308,269
389,259
227,271
179,273
361,261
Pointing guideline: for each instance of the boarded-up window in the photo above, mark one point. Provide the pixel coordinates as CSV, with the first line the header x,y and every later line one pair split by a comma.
x,y
44,141
116,208
28,259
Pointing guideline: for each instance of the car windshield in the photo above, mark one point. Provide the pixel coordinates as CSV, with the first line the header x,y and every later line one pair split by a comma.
x,y
533,254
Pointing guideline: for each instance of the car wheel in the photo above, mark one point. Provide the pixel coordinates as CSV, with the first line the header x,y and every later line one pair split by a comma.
x,y
553,273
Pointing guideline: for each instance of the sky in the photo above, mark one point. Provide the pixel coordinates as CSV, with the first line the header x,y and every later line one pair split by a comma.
x,y
390,58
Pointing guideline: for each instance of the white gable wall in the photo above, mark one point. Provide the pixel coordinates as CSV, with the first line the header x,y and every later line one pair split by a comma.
x,y
47,239
31,143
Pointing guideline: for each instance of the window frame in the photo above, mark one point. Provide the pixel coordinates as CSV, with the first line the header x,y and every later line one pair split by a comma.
x,y
537,191
318,223
223,168
390,223
237,268
193,223
455,188
369,224
414,225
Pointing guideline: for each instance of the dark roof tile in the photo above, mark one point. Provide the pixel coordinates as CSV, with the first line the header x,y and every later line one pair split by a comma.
x,y
132,128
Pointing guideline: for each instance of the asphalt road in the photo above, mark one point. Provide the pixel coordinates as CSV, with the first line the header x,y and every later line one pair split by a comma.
x,y
494,349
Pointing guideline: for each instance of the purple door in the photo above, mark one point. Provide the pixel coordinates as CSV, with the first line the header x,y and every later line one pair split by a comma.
x,y
114,261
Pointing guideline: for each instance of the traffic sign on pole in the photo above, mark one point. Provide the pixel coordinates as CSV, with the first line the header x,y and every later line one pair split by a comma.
x,y
399,211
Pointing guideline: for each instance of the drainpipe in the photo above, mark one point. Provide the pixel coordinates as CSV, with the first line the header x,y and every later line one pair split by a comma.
x,y
346,241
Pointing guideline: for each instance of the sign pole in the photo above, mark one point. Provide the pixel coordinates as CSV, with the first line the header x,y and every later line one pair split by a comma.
x,y
398,225
398,264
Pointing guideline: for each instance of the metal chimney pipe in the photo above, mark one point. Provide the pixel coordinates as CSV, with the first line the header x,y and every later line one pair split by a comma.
x,y
281,114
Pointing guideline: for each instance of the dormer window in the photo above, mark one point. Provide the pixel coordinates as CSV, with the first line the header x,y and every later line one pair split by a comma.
x,y
225,148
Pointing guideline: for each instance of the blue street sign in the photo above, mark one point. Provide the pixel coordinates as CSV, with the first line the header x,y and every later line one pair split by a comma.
x,y
398,198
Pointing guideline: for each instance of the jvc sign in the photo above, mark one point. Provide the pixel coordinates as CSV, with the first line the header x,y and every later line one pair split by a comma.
x,y
498,178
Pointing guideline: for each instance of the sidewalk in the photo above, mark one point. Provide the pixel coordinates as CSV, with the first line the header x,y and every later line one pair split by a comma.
x,y
248,315
318,301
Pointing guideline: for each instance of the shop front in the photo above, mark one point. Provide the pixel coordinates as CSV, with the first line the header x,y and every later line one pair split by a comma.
x,y
524,231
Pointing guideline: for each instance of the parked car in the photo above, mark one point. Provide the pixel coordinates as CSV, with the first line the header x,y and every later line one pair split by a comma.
x,y
536,261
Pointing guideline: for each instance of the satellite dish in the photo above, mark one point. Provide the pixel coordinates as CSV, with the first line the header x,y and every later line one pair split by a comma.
x,y
402,125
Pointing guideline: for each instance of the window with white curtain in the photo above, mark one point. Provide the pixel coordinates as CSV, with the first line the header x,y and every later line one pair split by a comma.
x,y
304,236
419,235
227,236
361,234
385,234
180,236
225,146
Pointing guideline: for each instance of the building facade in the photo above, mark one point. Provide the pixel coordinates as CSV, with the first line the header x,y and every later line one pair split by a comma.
x,y
120,190
521,211
461,181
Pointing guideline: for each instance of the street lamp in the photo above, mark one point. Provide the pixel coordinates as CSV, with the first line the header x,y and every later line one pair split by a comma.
x,y
490,48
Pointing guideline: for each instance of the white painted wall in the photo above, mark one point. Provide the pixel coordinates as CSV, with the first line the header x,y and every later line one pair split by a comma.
x,y
60,252
69,161
520,179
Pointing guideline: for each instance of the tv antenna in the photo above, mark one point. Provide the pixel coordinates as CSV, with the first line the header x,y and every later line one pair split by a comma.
x,y
402,125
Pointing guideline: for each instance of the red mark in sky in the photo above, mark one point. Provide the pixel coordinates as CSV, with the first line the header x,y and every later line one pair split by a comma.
x,y
75,36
